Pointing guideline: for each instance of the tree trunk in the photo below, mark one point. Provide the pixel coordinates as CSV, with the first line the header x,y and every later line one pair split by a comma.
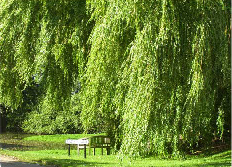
x,y
2,119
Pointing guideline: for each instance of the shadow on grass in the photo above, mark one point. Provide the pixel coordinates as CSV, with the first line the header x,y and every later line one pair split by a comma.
x,y
219,159
6,146
214,164
70,162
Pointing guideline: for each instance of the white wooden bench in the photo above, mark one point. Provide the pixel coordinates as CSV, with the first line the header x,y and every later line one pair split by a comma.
x,y
80,142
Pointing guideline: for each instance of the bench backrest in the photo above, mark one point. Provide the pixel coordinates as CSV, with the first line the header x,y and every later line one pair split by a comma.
x,y
99,140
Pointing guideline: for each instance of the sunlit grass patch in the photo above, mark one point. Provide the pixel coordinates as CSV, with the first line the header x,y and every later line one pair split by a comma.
x,y
58,138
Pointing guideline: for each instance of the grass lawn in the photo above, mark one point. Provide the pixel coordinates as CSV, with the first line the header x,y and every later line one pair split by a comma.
x,y
51,150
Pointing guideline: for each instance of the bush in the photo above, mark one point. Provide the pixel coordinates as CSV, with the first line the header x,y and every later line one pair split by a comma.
x,y
46,120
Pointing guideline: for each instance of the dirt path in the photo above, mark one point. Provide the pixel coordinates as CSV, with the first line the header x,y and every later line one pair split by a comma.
x,y
11,162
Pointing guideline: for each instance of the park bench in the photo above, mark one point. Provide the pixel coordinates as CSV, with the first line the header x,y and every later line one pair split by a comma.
x,y
90,142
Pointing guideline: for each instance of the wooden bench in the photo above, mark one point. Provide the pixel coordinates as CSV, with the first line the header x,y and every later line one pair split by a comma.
x,y
99,142
80,142
91,142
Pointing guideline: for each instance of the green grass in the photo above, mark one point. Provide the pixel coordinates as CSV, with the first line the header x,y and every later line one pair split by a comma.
x,y
57,154
59,138
60,158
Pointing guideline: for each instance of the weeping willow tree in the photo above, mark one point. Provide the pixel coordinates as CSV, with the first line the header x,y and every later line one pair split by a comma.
x,y
154,75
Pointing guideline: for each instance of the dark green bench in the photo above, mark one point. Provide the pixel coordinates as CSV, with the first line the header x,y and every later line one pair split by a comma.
x,y
99,142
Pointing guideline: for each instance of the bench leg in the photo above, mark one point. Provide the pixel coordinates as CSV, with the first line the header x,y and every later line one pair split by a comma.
x,y
78,149
94,151
102,150
69,150
108,151
84,150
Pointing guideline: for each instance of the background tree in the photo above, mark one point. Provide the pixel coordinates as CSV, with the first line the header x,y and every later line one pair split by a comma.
x,y
47,47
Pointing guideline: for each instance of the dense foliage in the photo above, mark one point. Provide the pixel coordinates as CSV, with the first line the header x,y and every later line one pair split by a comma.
x,y
154,75
46,45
